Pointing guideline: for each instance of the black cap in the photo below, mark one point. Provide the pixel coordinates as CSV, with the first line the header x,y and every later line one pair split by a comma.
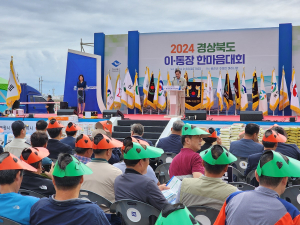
x,y
18,125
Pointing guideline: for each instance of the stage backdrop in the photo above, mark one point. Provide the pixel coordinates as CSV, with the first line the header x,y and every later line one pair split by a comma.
x,y
89,66
225,50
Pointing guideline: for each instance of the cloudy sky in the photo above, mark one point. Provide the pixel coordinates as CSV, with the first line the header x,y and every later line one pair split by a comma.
x,y
39,33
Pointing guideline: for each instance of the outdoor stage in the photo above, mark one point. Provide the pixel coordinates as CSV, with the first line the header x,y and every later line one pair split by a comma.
x,y
213,119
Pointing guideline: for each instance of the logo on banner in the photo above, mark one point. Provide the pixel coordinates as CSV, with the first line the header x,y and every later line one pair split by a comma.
x,y
262,95
116,63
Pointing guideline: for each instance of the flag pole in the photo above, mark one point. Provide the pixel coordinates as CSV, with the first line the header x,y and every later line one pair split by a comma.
x,y
157,94
283,90
202,88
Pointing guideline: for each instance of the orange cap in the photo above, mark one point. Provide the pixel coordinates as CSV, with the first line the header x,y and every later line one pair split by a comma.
x,y
56,124
36,154
104,125
1,130
73,127
274,137
213,135
107,143
83,141
9,161
133,139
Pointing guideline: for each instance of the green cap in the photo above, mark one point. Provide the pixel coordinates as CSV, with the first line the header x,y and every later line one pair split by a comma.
x,y
176,214
189,129
224,159
138,152
279,166
74,169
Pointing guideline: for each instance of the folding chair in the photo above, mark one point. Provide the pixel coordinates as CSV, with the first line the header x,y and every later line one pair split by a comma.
x,y
203,214
30,193
135,212
5,221
162,172
93,197
292,195
167,157
250,176
241,164
237,175
242,186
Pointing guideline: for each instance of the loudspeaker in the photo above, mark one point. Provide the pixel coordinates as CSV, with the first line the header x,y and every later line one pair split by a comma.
x,y
64,105
292,119
31,115
195,114
93,113
251,116
66,112
107,114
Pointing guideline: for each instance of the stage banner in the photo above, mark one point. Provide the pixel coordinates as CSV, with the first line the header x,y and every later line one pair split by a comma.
x,y
214,51
193,95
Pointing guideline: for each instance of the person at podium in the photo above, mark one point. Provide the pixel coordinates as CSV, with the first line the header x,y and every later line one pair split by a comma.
x,y
181,82
178,80
81,86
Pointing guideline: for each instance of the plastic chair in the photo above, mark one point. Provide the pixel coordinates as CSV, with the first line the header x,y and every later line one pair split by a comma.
x,y
292,195
6,221
30,193
250,176
241,164
93,197
167,157
162,172
238,175
203,214
135,212
242,186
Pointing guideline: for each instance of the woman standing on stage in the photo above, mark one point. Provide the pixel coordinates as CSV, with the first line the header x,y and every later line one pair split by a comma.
x,y
81,86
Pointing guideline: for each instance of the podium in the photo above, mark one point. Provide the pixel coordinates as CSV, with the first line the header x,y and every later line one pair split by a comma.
x,y
177,101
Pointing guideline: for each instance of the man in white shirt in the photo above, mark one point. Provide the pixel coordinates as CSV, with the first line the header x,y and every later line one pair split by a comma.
x,y
18,143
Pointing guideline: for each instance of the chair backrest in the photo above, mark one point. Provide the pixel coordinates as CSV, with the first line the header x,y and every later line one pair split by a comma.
x,y
5,221
134,212
242,186
30,193
241,164
93,197
162,171
203,214
250,176
239,176
292,195
167,157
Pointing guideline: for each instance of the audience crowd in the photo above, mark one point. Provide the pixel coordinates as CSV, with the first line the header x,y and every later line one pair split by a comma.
x,y
60,171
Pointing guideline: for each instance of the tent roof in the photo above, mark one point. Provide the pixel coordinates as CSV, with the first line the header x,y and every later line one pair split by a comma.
x,y
3,84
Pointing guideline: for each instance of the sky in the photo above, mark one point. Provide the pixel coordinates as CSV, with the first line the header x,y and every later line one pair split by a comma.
x,y
38,34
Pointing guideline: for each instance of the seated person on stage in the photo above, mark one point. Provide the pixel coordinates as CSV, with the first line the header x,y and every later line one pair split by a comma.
x,y
188,161
210,140
50,107
264,205
41,125
65,207
270,141
122,166
132,184
290,150
105,127
14,206
248,145
18,143
137,131
33,180
209,190
172,143
54,145
71,131
103,178
83,148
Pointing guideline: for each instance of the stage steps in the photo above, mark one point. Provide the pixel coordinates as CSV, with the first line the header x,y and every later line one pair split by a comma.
x,y
152,129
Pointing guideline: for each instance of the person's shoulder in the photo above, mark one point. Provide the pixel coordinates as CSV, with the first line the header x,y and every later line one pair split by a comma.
x,y
231,196
254,156
27,143
29,199
115,169
291,209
